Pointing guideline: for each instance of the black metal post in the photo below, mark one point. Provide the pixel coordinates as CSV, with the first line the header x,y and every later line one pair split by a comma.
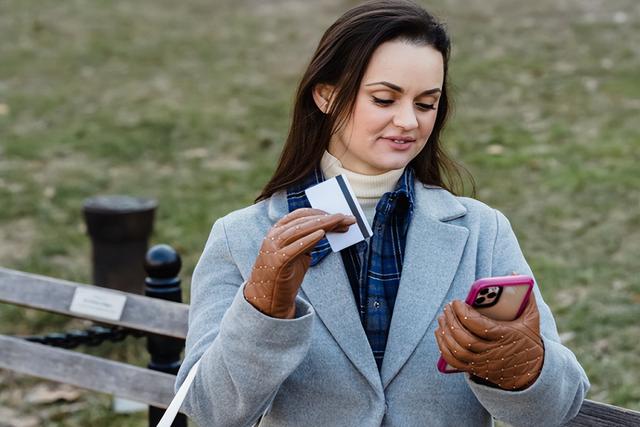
x,y
162,265
119,227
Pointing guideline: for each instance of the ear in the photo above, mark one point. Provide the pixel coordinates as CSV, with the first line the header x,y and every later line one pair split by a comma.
x,y
323,96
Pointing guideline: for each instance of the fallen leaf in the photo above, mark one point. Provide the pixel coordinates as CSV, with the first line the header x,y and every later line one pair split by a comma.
x,y
43,394
11,418
567,336
620,17
606,63
196,153
495,149
601,346
60,412
618,285
590,84
49,192
15,188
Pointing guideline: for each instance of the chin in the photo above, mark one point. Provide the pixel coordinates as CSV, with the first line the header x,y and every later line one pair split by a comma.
x,y
395,162
387,166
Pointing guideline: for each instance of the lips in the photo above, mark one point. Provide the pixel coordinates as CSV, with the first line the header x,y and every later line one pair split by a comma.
x,y
399,139
400,144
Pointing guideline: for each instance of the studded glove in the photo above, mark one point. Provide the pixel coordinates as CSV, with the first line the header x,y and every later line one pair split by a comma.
x,y
507,354
284,259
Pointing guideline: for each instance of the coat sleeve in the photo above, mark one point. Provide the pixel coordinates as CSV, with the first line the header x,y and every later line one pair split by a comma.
x,y
246,355
557,394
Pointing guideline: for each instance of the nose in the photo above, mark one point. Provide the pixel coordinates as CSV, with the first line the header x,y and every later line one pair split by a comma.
x,y
405,117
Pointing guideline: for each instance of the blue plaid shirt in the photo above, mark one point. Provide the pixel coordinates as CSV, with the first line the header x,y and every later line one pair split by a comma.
x,y
373,268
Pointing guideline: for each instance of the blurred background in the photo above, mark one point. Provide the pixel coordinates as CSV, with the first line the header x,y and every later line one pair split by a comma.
x,y
188,103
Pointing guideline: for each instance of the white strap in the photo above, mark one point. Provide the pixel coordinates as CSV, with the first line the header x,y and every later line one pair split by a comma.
x,y
176,403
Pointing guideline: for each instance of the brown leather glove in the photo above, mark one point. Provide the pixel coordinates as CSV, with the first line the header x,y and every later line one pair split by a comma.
x,y
508,354
284,259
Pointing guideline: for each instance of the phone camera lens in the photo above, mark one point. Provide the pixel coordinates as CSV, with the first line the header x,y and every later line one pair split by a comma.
x,y
484,291
480,300
491,295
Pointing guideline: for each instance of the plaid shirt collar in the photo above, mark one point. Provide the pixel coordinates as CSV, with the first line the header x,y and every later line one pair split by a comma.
x,y
296,199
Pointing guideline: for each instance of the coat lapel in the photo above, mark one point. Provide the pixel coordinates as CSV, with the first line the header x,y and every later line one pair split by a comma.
x,y
327,287
432,253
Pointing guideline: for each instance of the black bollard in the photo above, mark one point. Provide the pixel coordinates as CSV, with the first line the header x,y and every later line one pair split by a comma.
x,y
162,265
119,227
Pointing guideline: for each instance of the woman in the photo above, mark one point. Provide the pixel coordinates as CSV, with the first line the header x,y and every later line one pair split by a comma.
x,y
292,334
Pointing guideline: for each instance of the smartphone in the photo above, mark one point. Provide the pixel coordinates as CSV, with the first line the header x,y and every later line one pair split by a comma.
x,y
499,298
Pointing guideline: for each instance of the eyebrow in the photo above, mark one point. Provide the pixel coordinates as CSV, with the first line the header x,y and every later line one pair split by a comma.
x,y
399,89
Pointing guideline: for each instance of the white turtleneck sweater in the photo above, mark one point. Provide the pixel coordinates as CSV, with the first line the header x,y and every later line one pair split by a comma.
x,y
367,188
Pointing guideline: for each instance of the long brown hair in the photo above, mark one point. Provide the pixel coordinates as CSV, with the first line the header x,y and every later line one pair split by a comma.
x,y
341,59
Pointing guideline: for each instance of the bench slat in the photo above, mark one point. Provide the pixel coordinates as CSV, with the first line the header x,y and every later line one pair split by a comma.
x,y
86,371
55,295
596,414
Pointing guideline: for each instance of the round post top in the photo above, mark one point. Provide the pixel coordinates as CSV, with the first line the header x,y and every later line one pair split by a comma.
x,y
162,262
110,204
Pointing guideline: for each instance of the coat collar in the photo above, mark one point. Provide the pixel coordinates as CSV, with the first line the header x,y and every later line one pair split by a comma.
x,y
433,202
432,254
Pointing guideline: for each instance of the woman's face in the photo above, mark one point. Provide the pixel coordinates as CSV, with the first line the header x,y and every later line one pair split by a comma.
x,y
395,109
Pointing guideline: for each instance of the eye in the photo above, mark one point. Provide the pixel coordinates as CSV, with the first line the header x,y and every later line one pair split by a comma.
x,y
386,102
380,101
425,107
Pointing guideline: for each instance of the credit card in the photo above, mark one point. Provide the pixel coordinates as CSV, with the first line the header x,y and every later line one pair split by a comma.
x,y
335,195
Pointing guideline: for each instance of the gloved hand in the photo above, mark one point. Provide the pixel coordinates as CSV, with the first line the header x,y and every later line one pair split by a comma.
x,y
284,259
508,354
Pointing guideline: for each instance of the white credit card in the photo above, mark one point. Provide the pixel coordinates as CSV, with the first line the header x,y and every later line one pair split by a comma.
x,y
335,195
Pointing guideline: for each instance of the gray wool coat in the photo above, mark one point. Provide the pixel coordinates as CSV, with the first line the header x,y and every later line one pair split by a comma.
x,y
318,369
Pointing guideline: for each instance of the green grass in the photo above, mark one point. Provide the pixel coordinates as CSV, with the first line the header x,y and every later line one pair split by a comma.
x,y
189,103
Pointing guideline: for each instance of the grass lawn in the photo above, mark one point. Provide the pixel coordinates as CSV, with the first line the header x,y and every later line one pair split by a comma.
x,y
188,102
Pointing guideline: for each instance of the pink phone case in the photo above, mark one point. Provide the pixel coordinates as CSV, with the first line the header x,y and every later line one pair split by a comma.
x,y
500,298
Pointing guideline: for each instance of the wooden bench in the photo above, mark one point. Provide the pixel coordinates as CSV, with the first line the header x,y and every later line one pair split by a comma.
x,y
142,313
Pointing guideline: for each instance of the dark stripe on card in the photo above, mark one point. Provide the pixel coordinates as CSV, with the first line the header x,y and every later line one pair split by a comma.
x,y
352,206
